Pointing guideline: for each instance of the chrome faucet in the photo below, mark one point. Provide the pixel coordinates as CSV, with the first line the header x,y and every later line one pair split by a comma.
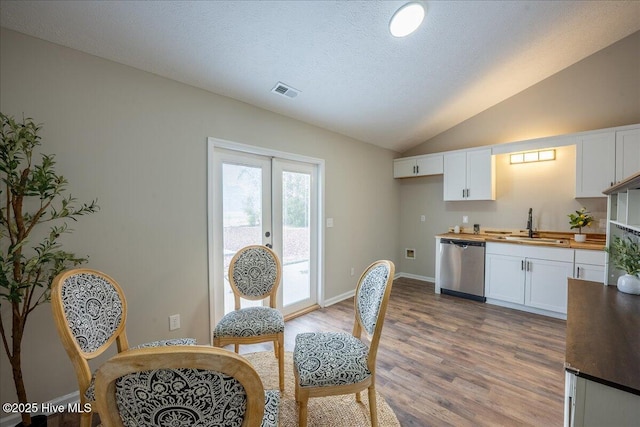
x,y
530,223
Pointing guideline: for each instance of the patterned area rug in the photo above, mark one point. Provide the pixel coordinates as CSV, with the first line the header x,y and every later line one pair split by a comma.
x,y
334,411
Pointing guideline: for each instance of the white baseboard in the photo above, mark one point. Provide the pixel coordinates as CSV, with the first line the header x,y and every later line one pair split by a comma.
x,y
65,401
339,298
416,277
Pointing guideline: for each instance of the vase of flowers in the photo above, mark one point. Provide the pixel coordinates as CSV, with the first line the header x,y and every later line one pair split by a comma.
x,y
625,255
579,219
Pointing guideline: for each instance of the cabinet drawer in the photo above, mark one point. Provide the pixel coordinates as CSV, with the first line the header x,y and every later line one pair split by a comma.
x,y
530,251
589,257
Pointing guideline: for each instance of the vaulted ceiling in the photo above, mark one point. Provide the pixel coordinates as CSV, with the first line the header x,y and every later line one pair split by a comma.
x,y
353,77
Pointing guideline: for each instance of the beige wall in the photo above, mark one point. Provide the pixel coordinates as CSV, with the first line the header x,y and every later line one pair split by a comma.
x,y
137,142
598,92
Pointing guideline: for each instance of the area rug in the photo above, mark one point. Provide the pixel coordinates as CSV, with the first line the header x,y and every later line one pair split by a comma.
x,y
334,411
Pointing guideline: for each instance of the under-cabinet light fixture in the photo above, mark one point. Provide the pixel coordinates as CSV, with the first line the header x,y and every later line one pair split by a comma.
x,y
533,156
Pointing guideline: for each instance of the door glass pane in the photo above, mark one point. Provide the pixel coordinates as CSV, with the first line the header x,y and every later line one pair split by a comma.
x,y
296,244
242,217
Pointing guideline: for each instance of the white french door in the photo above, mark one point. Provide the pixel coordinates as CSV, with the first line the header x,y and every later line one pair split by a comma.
x,y
257,199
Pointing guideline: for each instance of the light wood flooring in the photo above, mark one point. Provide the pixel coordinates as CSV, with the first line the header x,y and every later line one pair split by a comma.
x,y
447,361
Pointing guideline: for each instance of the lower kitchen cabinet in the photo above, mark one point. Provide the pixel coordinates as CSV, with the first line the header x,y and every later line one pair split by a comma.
x,y
528,277
589,265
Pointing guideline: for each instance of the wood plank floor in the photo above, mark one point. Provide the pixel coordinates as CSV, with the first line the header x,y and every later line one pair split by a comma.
x,y
446,361
449,361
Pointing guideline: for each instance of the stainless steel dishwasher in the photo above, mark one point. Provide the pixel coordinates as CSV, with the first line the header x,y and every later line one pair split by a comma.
x,y
462,268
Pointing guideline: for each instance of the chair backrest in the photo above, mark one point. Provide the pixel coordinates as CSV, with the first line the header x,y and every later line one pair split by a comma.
x,y
90,313
181,385
254,274
372,296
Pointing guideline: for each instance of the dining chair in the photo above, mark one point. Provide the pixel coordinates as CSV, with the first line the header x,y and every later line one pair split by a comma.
x,y
183,386
90,313
254,274
335,363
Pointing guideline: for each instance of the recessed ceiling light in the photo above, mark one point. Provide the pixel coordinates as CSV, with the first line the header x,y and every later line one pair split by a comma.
x,y
406,20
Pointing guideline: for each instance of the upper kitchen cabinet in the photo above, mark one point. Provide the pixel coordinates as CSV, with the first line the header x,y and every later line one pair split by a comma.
x,y
417,166
595,163
627,153
469,175
604,158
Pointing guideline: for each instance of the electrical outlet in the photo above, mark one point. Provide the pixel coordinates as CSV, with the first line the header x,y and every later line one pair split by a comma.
x,y
174,322
353,271
423,218
465,219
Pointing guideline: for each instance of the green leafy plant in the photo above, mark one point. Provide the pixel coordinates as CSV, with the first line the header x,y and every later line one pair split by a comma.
x,y
625,255
32,195
579,219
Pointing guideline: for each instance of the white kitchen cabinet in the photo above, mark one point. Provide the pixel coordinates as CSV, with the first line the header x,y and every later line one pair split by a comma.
x,y
418,166
595,163
589,265
469,175
528,277
627,153
504,278
546,284
592,404
604,158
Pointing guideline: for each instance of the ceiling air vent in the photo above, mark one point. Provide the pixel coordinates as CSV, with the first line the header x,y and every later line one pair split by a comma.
x,y
284,90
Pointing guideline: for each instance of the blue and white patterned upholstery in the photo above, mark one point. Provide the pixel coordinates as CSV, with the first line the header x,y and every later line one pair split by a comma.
x,y
186,397
93,309
90,394
330,358
255,271
369,297
250,322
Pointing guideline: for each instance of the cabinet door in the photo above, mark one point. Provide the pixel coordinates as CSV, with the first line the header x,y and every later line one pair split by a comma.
x,y
403,168
595,164
627,153
546,284
429,165
480,175
504,278
595,273
455,176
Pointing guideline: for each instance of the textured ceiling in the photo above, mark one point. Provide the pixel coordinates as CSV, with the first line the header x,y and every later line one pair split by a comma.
x,y
354,77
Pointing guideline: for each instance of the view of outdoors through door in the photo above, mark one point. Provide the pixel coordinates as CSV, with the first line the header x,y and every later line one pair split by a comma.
x,y
268,201
241,219
296,237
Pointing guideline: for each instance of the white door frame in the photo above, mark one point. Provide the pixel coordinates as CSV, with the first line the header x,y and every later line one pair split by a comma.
x,y
214,204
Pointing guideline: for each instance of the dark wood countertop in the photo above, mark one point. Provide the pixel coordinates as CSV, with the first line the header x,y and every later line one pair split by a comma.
x,y
603,335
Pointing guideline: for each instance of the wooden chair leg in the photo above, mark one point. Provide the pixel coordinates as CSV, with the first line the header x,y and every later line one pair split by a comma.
x,y
373,407
302,413
358,398
280,356
236,348
86,418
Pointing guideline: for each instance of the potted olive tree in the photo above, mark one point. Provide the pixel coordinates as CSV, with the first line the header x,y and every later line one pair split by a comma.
x,y
32,197
625,255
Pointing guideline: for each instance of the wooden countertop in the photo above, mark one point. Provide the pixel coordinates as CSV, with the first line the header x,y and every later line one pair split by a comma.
x,y
603,335
594,242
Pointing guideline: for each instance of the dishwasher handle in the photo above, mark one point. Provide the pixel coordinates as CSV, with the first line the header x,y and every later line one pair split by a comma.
x,y
464,244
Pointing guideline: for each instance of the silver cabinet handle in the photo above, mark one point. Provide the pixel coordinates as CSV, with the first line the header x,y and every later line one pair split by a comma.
x,y
522,265
578,275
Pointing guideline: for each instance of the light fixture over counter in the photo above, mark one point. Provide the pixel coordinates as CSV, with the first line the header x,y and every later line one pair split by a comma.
x,y
406,20
532,156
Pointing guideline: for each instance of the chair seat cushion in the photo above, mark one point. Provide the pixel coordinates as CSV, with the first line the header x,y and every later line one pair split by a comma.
x,y
90,393
271,408
330,358
250,322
